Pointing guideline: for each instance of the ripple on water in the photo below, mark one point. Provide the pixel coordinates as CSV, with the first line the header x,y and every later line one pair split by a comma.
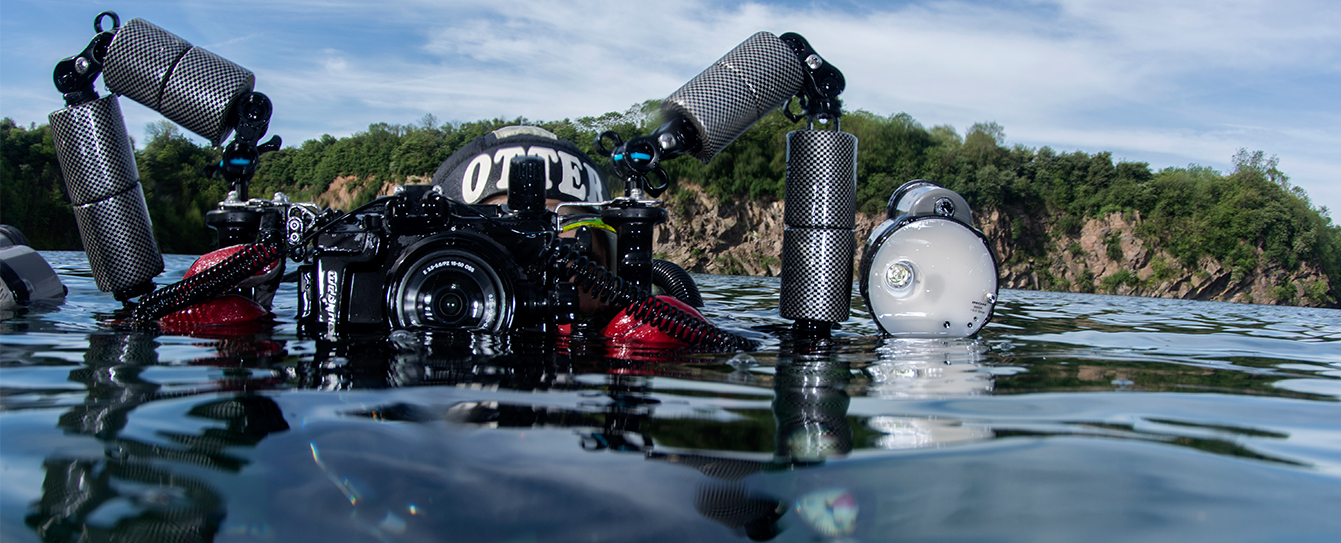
x,y
1071,417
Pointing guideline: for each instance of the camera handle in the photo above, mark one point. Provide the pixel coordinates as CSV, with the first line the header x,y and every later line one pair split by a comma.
x,y
634,222
633,216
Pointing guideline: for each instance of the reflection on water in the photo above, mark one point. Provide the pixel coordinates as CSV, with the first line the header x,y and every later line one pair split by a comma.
x,y
919,369
1071,417
130,493
617,413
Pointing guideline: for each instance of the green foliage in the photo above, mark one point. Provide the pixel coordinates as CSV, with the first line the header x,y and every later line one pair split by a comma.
x,y
1316,292
388,153
1201,213
1163,270
1113,246
729,265
1085,281
890,151
1111,283
1284,292
176,190
1070,224
753,167
32,190
171,175
1244,219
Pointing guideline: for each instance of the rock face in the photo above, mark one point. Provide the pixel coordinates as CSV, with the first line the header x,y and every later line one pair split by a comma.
x,y
737,238
1106,256
342,191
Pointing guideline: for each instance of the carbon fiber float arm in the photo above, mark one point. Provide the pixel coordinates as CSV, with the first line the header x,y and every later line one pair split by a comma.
x,y
714,108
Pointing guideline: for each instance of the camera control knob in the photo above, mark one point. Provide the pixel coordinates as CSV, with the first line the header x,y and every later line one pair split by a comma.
x,y
526,184
563,302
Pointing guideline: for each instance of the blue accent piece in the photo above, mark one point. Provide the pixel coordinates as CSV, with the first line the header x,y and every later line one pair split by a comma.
x,y
240,162
619,156
641,156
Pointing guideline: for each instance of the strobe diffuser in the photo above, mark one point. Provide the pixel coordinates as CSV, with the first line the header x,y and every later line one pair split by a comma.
x,y
926,271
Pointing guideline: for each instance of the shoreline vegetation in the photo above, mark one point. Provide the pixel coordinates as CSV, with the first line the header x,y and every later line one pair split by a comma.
x,y
1058,221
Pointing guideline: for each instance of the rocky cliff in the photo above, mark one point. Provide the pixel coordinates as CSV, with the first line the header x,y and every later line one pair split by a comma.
x,y
1107,255
346,189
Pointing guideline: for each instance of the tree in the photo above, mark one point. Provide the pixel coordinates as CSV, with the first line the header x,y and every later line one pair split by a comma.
x,y
172,174
32,188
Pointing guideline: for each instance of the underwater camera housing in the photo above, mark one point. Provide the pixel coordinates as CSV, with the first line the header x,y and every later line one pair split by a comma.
x,y
419,260
926,271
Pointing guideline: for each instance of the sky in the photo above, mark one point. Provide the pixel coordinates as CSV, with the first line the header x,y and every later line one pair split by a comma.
x,y
1166,83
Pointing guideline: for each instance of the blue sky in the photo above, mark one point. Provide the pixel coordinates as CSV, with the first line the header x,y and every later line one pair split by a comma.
x,y
1168,83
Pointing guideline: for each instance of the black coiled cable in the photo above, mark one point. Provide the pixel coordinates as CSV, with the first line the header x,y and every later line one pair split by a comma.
x,y
638,302
211,282
676,281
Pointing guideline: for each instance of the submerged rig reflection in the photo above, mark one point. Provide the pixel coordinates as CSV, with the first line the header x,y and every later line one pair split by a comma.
x,y
137,491
809,385
787,415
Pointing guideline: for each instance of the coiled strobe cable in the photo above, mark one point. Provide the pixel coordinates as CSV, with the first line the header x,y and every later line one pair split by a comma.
x,y
639,302
211,282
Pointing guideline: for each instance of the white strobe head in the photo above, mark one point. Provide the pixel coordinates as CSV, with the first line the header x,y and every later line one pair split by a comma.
x,y
928,276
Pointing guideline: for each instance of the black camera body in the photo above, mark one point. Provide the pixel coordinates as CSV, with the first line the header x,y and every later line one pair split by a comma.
x,y
421,261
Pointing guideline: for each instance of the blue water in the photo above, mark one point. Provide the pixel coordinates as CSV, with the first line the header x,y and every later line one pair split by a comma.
x,y
1070,418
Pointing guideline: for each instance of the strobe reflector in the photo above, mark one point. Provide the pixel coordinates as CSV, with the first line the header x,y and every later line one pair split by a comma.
x,y
926,271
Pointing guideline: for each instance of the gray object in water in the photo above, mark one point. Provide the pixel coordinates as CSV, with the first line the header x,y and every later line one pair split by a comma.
x,y
25,277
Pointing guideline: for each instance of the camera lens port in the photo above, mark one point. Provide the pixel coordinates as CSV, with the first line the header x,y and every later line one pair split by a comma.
x,y
450,289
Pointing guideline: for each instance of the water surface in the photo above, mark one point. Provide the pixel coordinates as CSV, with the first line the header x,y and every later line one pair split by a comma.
x,y
1071,417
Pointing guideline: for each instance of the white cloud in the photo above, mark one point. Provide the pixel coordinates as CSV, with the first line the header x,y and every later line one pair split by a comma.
x,y
1170,83
335,64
